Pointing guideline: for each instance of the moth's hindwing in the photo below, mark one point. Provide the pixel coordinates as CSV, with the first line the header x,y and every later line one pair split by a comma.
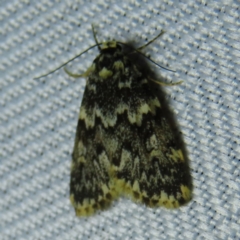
x,y
124,143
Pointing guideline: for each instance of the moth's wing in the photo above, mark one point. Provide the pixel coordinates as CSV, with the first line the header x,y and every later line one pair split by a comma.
x,y
91,187
149,163
124,144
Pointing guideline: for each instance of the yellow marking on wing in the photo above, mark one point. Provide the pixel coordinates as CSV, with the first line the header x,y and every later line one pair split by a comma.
x,y
90,206
186,192
176,155
118,65
105,73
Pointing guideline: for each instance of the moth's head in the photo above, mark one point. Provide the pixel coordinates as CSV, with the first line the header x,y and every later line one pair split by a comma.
x,y
107,61
110,46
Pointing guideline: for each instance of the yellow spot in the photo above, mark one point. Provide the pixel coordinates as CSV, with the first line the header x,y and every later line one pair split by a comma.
x,y
120,185
118,65
176,155
136,186
144,108
81,160
168,201
105,189
163,196
134,117
186,193
180,154
89,119
110,44
105,73
153,104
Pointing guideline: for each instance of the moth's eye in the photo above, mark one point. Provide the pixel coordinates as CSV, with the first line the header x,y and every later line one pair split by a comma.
x,y
105,62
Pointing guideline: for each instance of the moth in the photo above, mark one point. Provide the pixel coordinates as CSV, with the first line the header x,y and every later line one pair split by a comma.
x,y
124,144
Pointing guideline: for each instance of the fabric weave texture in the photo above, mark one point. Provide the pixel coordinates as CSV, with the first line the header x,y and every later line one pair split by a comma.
x,y
39,116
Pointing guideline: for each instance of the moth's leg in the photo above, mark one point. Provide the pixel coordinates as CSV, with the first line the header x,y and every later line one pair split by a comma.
x,y
164,83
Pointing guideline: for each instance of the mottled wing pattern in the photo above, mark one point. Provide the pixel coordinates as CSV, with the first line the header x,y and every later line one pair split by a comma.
x,y
91,185
124,144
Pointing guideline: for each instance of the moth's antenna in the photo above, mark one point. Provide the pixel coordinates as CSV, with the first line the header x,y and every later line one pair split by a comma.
x,y
95,38
145,45
149,59
96,45
151,41
44,75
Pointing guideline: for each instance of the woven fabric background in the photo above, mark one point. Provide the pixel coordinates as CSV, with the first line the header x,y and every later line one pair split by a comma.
x,y
38,118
